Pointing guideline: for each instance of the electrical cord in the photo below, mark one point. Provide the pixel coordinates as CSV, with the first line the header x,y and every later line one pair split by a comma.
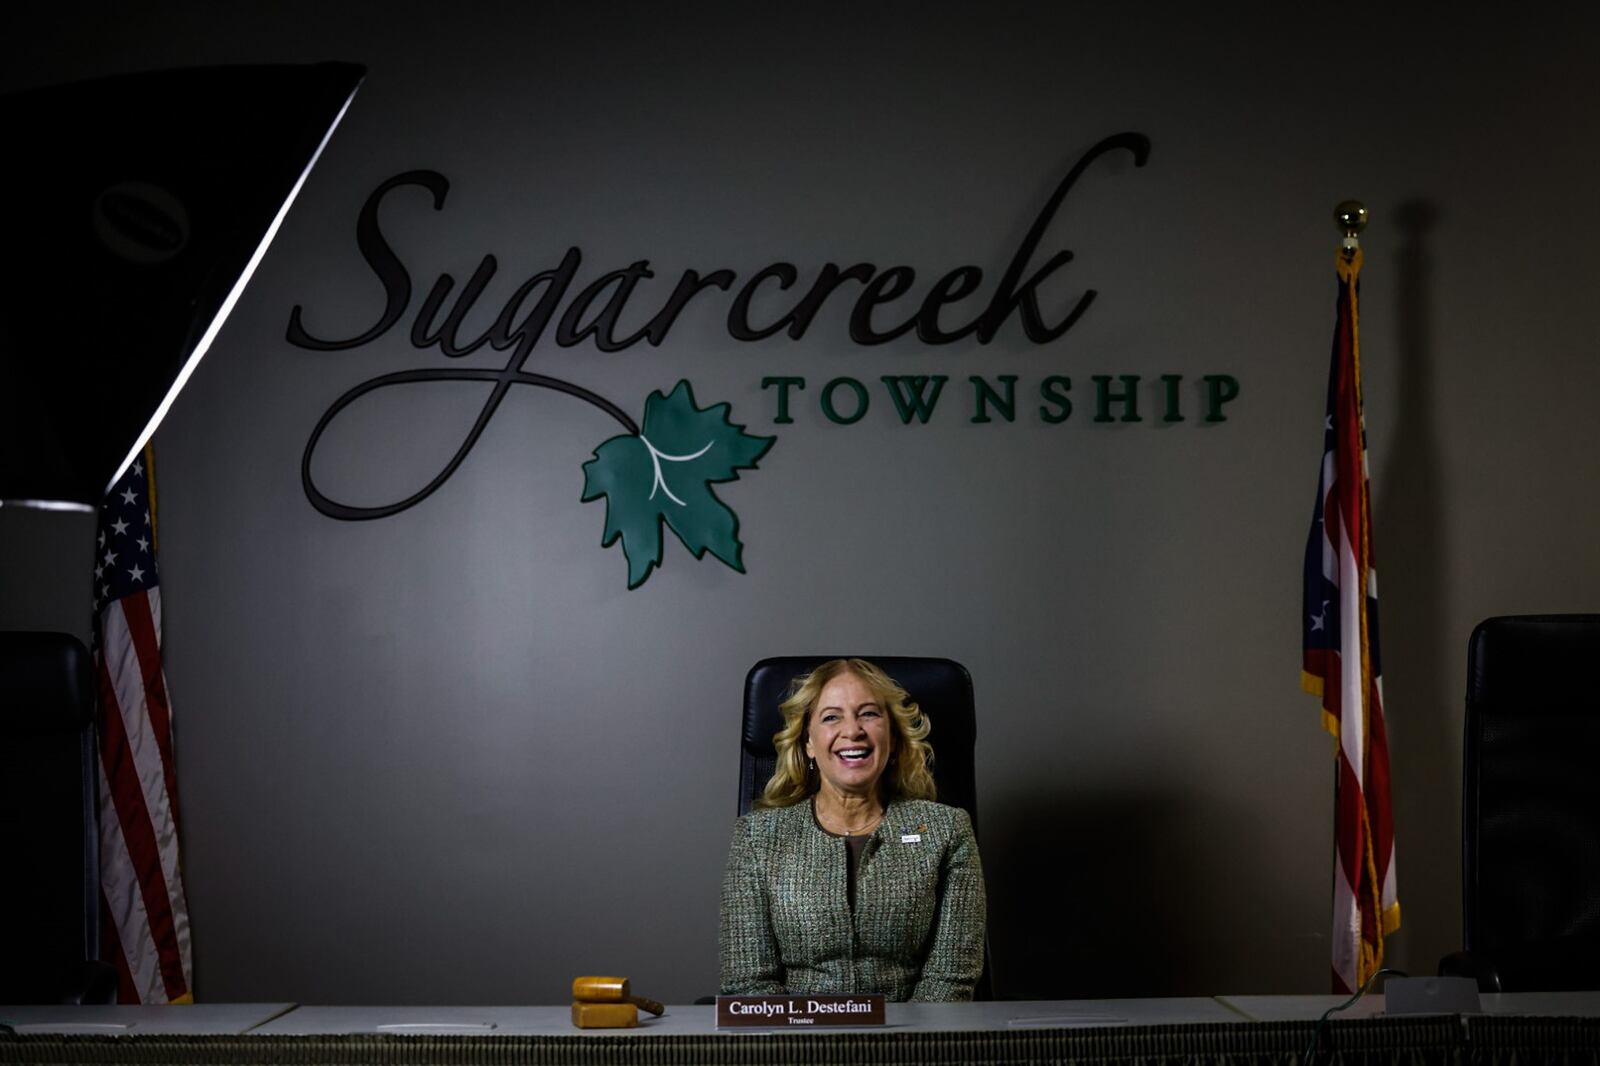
x,y
1322,1022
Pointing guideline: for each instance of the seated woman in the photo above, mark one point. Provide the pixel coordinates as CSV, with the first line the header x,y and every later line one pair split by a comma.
x,y
848,877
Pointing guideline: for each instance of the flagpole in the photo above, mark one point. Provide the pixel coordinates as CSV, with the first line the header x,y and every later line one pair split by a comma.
x,y
1350,217
1340,662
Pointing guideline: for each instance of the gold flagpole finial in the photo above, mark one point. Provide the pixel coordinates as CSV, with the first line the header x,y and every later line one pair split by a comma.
x,y
1351,218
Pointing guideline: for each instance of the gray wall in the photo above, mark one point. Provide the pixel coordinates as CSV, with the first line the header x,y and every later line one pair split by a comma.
x,y
449,757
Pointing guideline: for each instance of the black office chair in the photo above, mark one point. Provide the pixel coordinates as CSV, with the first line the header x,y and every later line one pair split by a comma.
x,y
1530,811
50,892
941,688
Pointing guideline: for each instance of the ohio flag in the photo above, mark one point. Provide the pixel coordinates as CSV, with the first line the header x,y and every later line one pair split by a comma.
x,y
1341,662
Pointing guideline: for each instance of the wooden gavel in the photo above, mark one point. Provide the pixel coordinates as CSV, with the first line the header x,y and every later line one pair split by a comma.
x,y
607,1003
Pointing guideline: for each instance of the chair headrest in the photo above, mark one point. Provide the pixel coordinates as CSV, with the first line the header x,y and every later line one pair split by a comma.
x,y
934,683
46,684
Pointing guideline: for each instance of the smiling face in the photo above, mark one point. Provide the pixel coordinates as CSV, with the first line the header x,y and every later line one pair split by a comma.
x,y
850,736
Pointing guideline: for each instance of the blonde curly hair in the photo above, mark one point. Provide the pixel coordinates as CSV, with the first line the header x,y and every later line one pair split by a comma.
x,y
910,771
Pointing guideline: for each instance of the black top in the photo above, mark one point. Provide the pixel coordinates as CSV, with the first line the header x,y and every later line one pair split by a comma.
x,y
855,847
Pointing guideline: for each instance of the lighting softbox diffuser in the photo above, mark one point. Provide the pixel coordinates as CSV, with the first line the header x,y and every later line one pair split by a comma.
x,y
136,208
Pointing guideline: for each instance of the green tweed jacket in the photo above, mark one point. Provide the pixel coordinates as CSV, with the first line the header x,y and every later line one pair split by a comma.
x,y
917,928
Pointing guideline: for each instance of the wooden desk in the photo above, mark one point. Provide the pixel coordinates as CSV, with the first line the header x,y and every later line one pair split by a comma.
x,y
1502,1004
212,1018
700,1021
1230,1030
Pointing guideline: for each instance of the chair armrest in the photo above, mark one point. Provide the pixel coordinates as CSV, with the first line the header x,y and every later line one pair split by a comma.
x,y
1466,964
93,982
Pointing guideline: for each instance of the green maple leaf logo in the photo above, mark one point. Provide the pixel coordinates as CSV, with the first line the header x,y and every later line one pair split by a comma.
x,y
665,473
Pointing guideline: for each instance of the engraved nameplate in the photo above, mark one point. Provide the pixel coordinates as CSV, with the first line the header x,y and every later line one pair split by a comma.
x,y
773,1011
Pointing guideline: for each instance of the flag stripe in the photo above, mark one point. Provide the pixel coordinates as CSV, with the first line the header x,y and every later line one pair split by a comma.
x,y
1383,814
121,624
141,854
1346,932
110,945
1330,555
139,613
1352,729
125,894
122,671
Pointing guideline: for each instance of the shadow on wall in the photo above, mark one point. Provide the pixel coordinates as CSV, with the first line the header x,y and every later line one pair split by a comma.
x,y
1096,896
1422,672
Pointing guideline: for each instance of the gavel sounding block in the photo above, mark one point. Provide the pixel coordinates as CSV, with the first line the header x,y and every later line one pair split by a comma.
x,y
605,1015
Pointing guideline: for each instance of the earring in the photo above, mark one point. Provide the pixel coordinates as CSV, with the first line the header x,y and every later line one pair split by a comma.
x,y
811,767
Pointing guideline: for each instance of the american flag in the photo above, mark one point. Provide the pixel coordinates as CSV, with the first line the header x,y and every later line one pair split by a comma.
x,y
1340,623
146,918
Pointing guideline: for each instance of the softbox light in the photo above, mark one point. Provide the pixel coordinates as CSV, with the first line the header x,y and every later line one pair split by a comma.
x,y
136,209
